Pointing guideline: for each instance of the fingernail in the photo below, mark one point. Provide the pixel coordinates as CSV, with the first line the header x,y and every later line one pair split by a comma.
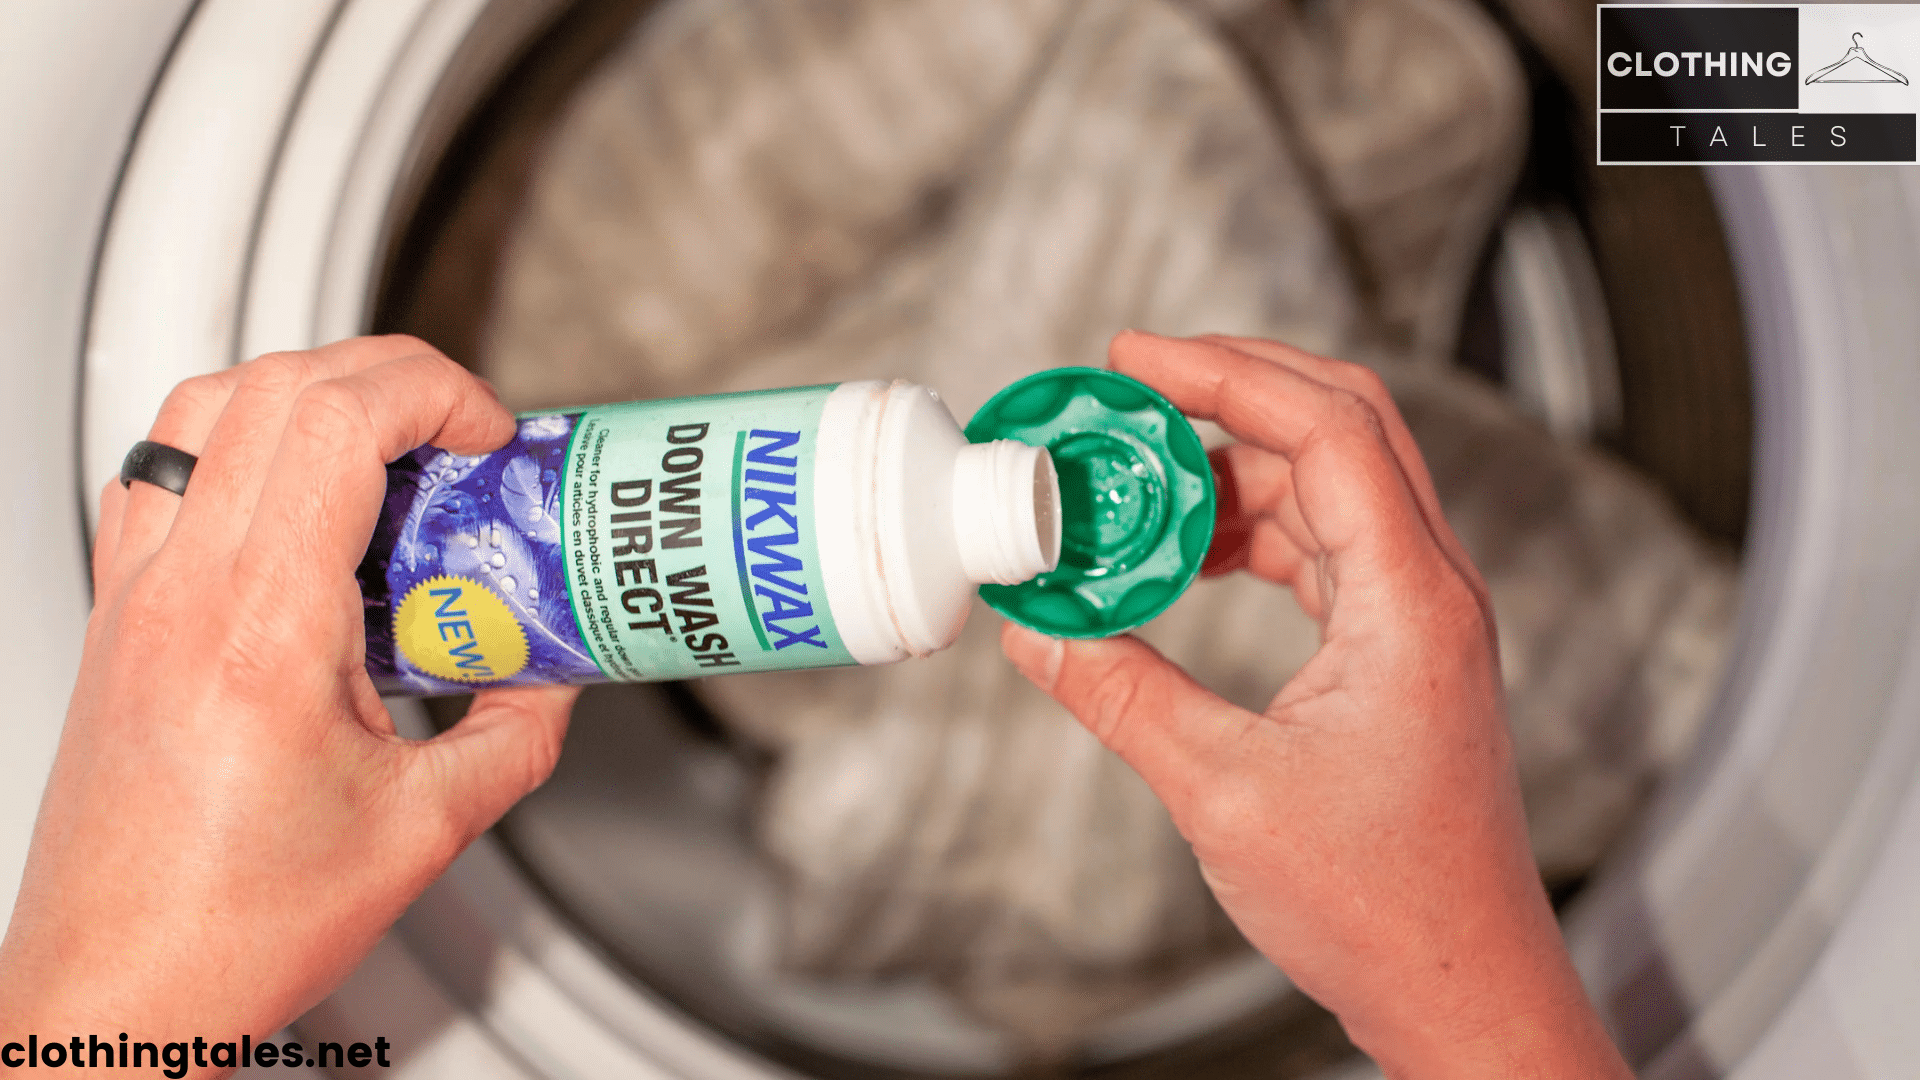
x,y
1036,655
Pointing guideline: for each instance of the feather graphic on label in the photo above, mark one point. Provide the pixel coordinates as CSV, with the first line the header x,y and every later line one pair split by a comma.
x,y
521,494
501,557
438,498
546,428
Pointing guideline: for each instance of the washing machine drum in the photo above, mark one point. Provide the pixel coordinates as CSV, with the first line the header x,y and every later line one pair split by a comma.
x,y
228,178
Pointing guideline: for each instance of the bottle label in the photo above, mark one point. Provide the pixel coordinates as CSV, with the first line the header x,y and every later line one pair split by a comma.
x,y
642,541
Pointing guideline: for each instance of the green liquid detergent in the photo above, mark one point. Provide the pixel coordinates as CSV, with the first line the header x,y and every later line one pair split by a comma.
x,y
1137,501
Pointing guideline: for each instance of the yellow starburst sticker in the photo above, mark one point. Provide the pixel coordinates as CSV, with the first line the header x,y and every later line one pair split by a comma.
x,y
456,628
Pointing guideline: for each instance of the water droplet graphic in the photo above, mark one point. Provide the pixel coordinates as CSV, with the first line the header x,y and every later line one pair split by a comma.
x,y
447,476
507,582
533,592
470,541
497,561
533,513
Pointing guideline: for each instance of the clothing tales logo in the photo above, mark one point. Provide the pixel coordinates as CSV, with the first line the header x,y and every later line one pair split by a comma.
x,y
1725,83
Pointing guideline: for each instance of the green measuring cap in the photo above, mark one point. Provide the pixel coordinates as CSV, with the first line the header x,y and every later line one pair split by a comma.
x,y
1136,499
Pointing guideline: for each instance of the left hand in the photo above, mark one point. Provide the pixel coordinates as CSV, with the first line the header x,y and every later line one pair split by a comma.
x,y
232,822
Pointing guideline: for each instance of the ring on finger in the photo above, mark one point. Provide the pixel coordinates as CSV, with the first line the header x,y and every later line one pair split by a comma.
x,y
158,464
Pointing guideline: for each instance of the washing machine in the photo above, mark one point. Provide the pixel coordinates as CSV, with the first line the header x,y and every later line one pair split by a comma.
x,y
199,181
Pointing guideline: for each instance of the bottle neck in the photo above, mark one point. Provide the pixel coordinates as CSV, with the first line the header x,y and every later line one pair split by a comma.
x,y
1006,512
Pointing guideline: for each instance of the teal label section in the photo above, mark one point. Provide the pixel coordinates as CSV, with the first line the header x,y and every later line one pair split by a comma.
x,y
688,536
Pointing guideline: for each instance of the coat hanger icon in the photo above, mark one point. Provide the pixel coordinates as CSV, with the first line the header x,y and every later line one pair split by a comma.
x,y
1856,67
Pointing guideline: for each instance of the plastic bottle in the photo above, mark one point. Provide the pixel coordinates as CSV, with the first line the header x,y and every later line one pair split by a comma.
x,y
774,530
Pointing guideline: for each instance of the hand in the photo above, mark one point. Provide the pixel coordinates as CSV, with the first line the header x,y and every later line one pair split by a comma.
x,y
1365,832
232,822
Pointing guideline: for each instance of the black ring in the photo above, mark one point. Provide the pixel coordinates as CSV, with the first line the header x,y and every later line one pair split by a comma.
x,y
158,464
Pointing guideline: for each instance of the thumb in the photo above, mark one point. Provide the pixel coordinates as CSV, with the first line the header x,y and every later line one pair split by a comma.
x,y
1142,706
504,747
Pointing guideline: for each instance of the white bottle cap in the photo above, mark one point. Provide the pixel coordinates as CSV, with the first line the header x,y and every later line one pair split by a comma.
x,y
1006,512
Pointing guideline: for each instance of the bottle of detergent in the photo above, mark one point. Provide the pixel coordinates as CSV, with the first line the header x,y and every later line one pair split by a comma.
x,y
779,529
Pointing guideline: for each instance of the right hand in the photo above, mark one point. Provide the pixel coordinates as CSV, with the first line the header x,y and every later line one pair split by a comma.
x,y
1365,832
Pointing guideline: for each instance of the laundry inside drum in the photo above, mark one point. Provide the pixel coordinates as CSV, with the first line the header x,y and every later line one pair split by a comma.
x,y
928,869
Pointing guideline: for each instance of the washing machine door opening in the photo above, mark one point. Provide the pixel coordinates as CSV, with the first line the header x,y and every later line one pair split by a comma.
x,y
751,929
